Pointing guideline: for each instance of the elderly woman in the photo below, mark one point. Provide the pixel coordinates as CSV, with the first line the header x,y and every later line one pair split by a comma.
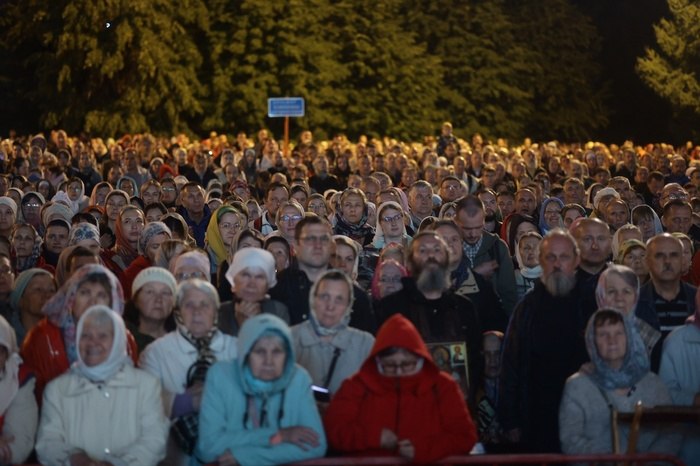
x,y
619,378
352,218
400,403
181,359
152,236
258,409
633,254
391,227
129,227
103,411
647,220
26,248
251,275
191,264
18,408
149,313
247,238
50,347
550,214
30,208
622,234
325,345
618,288
317,204
527,255
32,289
387,279
225,223
8,216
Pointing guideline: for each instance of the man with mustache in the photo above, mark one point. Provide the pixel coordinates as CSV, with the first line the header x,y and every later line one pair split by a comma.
x,y
439,314
544,345
665,302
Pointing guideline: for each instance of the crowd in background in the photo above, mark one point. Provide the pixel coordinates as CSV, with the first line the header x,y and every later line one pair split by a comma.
x,y
219,301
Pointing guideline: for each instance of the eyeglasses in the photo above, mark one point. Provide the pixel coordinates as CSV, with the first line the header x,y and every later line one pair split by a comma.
x,y
395,218
288,218
168,190
309,240
74,188
5,271
118,206
392,368
31,205
395,279
186,276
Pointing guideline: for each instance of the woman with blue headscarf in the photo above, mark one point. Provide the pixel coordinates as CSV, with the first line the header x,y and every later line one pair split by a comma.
x,y
618,377
259,409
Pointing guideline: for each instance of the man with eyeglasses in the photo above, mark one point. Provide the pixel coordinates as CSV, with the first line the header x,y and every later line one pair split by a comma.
x,y
451,189
195,211
275,195
439,314
314,238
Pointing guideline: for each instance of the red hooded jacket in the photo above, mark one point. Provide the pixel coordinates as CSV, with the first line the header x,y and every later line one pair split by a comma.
x,y
427,408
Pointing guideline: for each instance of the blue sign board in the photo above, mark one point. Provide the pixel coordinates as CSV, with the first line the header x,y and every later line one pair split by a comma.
x,y
285,107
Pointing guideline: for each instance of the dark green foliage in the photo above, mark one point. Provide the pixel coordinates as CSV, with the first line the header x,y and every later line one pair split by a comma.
x,y
672,68
396,67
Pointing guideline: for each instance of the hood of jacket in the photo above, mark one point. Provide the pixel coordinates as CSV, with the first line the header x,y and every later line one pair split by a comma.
x,y
251,331
400,332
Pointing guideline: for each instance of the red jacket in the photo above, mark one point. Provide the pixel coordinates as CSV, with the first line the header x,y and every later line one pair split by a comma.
x,y
427,408
44,351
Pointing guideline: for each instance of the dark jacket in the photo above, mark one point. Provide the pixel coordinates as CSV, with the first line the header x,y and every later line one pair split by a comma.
x,y
449,318
503,279
229,325
293,288
543,346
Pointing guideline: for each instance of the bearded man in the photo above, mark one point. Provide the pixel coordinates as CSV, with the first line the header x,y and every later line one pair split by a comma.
x,y
439,314
544,346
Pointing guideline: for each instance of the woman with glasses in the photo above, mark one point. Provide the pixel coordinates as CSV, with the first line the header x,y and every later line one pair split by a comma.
x,y
288,215
30,211
181,359
325,345
387,279
168,193
76,193
225,223
400,403
390,226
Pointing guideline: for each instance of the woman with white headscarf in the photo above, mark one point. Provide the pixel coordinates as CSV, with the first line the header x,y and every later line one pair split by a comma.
x,y
103,411
18,409
325,345
251,275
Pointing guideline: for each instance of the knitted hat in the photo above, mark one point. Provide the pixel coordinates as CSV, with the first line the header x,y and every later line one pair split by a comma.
x,y
56,210
604,192
21,283
150,230
253,258
628,245
151,275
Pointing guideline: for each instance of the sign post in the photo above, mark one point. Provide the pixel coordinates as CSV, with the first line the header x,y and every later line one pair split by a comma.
x,y
285,107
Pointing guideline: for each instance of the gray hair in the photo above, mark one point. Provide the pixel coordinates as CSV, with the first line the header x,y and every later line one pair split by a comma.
x,y
199,285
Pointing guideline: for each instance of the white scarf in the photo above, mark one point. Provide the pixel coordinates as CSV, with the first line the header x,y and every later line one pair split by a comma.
x,y
9,375
118,355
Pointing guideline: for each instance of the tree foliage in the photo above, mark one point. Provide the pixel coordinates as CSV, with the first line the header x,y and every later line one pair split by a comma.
x,y
111,66
397,67
672,69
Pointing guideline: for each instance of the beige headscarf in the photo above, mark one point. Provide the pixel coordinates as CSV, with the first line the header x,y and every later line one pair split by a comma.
x,y
9,375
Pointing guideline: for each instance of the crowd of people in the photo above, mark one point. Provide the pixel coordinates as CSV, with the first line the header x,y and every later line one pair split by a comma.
x,y
169,301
